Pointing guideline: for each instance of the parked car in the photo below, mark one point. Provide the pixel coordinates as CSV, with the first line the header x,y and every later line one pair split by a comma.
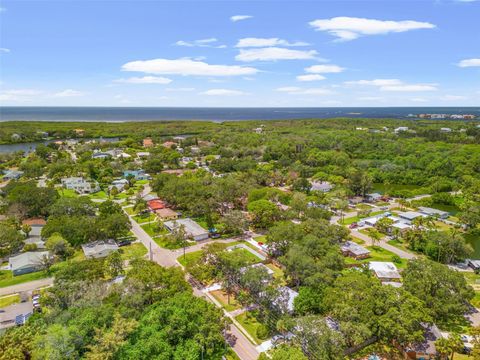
x,y
353,225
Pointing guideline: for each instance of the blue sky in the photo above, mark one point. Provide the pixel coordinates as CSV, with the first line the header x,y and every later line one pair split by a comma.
x,y
228,53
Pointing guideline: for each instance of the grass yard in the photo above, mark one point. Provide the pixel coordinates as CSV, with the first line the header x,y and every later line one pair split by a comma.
x,y
222,298
163,242
378,254
144,218
67,193
190,258
9,300
399,244
7,278
153,230
351,220
133,251
261,238
129,210
101,195
250,324
247,256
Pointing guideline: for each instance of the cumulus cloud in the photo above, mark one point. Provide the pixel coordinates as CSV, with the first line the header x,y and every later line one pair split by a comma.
x,y
294,90
4,50
267,42
349,28
145,80
236,18
186,67
209,42
223,92
324,69
453,97
68,93
184,89
469,62
19,95
394,85
274,54
310,77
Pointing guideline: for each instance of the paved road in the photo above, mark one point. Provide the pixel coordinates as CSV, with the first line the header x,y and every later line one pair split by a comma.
x,y
29,286
243,347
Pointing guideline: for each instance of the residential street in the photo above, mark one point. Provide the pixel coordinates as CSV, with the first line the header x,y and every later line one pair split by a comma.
x,y
29,286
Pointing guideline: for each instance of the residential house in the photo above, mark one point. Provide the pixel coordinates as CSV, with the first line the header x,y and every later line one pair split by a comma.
x,y
101,155
400,129
12,175
192,229
137,174
385,271
27,262
156,204
79,132
425,350
409,216
194,149
258,130
147,143
355,200
143,154
286,299
445,130
401,226
80,185
354,250
433,212
323,186
169,144
166,214
99,249
373,197
35,235
372,221
149,197
119,184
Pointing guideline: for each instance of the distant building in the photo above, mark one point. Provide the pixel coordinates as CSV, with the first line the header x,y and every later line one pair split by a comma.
x,y
194,149
192,229
101,155
35,235
409,216
354,250
385,271
258,130
143,154
286,299
79,132
137,174
27,262
323,186
80,185
166,214
445,130
373,197
156,204
169,144
147,143
400,129
433,212
12,175
119,184
99,249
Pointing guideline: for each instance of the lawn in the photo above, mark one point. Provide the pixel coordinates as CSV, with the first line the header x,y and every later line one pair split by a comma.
x,y
9,300
7,278
399,244
163,242
222,298
144,218
190,258
153,230
378,254
67,193
354,219
101,195
247,256
261,238
129,210
133,251
250,324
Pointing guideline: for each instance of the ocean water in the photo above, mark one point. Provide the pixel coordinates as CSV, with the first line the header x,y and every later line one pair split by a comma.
x,y
122,114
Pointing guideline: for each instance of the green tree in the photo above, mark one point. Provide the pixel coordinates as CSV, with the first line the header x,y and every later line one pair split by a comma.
x,y
114,264
58,246
10,240
264,213
447,347
57,344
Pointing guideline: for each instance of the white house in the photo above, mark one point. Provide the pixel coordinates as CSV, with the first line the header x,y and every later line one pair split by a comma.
x,y
433,212
99,249
323,186
80,185
27,262
385,271
192,229
409,216
400,129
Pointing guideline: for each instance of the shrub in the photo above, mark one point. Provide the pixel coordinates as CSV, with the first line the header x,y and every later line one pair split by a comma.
x,y
396,259
262,332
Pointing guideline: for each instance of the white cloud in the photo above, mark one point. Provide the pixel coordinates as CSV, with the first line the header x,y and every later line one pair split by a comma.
x,y
422,100
274,54
350,28
209,42
324,69
310,77
68,93
294,90
370,98
185,89
186,67
19,95
453,97
145,80
469,62
236,18
375,82
394,85
267,42
4,50
223,92
409,87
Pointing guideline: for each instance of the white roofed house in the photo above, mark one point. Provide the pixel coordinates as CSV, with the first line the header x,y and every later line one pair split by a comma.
x,y
354,250
192,229
80,185
433,212
409,216
400,129
99,249
27,262
323,186
285,300
385,271
373,197
119,184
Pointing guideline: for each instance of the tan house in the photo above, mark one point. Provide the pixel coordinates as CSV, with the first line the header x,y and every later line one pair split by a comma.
x,y
147,143
166,214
